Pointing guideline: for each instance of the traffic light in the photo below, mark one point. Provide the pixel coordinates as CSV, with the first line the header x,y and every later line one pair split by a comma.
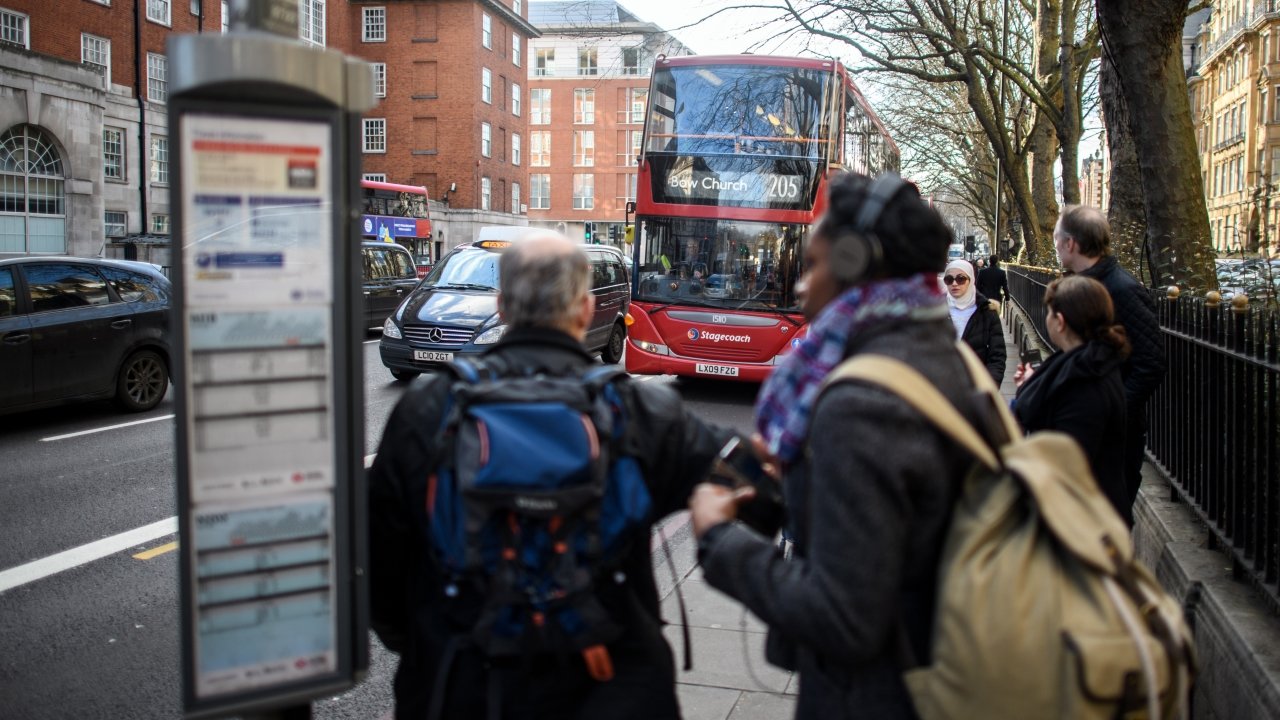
x,y
586,232
613,233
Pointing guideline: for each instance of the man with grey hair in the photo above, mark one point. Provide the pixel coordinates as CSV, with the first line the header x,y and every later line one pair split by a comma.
x,y
544,297
1082,239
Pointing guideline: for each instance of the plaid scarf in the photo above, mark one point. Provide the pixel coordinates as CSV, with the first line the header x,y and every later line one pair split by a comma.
x,y
788,396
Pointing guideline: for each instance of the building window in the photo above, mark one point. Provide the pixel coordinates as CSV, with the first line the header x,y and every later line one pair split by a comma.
x,y
158,11
515,6
639,100
544,61
515,198
486,140
96,53
375,135
515,148
375,25
114,223
515,99
584,148
587,61
584,192
310,22
374,177
160,224
13,29
629,146
226,17
159,159
540,148
539,192
157,78
515,49
486,191
584,106
486,85
540,106
113,153
486,31
380,79
631,61
627,187
32,193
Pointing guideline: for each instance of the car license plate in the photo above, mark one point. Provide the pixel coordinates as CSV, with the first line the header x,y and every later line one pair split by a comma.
x,y
721,370
432,356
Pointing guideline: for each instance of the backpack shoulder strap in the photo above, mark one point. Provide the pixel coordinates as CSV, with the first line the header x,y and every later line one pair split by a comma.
x,y
602,375
982,380
904,381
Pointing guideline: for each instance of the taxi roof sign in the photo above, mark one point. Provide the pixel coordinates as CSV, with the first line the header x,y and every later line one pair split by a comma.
x,y
493,244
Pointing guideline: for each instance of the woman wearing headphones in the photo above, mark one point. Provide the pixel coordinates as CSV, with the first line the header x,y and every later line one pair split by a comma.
x,y
975,317
869,482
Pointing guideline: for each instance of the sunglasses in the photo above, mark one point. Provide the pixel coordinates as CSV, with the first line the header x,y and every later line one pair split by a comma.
x,y
956,279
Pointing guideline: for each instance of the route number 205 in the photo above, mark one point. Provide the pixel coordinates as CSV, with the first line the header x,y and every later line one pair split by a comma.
x,y
783,187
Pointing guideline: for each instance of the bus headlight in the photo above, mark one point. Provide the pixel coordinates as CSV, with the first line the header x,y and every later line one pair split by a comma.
x,y
651,347
491,336
390,330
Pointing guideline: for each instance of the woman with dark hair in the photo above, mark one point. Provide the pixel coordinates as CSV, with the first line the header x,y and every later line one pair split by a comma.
x,y
869,482
1078,390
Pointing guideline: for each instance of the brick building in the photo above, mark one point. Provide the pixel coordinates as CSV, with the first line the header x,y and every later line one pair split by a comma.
x,y
84,152
588,91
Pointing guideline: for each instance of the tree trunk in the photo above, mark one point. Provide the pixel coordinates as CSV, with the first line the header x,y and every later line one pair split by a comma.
x,y
1125,210
1044,152
1144,40
1069,130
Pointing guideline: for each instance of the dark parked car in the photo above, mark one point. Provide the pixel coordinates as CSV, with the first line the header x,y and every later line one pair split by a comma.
x,y
82,329
389,275
455,310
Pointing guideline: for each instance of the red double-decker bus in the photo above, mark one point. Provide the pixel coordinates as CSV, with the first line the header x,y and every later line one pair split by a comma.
x,y
398,213
737,153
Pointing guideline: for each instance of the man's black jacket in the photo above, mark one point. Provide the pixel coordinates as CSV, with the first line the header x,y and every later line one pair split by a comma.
x,y
1136,311
993,283
675,453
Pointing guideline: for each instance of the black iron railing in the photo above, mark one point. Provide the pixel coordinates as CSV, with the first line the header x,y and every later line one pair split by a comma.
x,y
1214,423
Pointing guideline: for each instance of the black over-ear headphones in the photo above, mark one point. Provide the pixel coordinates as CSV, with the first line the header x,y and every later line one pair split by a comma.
x,y
858,253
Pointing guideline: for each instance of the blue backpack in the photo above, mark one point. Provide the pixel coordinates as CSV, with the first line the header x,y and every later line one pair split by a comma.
x,y
532,506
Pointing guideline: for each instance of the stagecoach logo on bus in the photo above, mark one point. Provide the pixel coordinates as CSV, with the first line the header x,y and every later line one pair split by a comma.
x,y
715,337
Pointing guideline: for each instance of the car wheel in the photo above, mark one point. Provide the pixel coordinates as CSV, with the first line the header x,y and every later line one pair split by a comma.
x,y
612,351
405,375
142,382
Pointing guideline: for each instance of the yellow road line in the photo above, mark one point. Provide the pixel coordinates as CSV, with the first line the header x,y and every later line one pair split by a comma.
x,y
153,552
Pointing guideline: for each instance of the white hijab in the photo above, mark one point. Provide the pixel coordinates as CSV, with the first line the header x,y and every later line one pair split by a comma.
x,y
970,290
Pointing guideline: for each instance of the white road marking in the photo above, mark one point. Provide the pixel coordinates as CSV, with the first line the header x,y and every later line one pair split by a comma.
x,y
75,557
104,429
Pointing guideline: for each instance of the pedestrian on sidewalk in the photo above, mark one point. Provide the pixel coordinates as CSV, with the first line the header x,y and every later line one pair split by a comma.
x,y
417,607
975,317
1078,390
993,282
1082,239
869,482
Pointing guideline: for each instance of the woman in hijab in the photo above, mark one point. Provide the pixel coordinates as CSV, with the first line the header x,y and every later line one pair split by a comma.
x,y
975,317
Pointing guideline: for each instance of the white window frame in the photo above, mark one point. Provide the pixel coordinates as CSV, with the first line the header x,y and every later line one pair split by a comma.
x,y
515,6
584,148
486,139
636,106
373,136
160,223
584,191
157,78
373,24
592,55
486,193
379,79
486,31
515,198
540,181
121,221
516,52
515,99
540,148
584,106
99,56
159,160
107,142
374,177
515,148
15,28
632,69
547,58
540,113
486,85
311,22
160,11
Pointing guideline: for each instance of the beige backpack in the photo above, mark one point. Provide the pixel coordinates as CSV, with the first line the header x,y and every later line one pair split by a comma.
x,y
1042,610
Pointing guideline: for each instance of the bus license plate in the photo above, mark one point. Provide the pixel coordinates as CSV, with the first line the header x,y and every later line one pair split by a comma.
x,y
432,356
721,370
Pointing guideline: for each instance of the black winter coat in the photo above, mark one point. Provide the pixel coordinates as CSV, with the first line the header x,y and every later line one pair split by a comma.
x,y
1136,311
993,283
869,504
985,335
1081,394
676,450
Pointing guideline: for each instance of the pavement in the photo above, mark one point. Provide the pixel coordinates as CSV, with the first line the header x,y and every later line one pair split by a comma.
x,y
730,679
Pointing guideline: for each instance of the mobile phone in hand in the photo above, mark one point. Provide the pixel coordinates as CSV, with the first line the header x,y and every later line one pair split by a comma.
x,y
740,464
766,513
1031,358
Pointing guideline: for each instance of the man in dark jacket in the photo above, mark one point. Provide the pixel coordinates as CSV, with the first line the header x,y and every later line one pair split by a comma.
x,y
992,281
545,300
1082,239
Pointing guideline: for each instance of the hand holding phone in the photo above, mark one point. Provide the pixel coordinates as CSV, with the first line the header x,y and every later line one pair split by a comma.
x,y
737,463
